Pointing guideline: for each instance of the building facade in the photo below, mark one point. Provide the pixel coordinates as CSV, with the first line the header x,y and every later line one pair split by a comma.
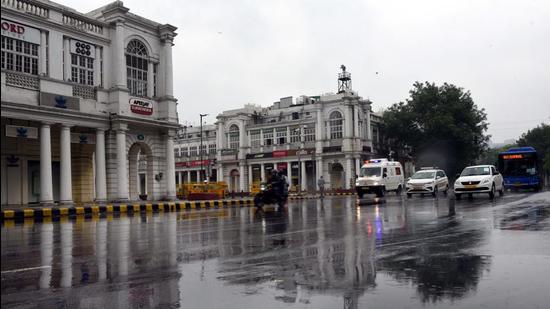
x,y
311,136
85,98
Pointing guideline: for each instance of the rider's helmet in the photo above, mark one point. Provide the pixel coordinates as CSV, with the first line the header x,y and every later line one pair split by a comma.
x,y
274,172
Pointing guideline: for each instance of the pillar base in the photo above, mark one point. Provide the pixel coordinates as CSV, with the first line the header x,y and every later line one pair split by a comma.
x,y
66,203
171,198
121,200
101,202
47,203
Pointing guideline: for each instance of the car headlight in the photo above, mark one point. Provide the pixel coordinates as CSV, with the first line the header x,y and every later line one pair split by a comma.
x,y
375,183
429,184
457,182
488,180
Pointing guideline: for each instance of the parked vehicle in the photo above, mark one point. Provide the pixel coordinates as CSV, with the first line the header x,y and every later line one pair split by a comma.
x,y
479,179
428,180
378,176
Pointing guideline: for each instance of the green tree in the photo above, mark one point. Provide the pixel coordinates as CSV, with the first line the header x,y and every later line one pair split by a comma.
x,y
442,124
539,138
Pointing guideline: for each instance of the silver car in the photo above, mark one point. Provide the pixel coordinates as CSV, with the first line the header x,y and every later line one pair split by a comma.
x,y
427,181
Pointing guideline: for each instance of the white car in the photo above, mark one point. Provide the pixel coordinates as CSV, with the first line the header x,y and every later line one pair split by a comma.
x,y
479,179
428,181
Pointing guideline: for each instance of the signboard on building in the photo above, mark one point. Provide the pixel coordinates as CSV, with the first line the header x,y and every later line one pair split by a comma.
x,y
20,32
82,48
262,155
196,163
332,149
59,101
82,138
20,131
141,106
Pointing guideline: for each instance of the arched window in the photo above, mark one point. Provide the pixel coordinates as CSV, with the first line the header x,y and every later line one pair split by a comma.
x,y
136,68
335,124
233,137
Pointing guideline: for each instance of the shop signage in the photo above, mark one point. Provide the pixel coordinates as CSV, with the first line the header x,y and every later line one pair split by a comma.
x,y
263,155
282,166
302,152
82,48
332,149
366,149
196,163
59,101
20,32
227,152
82,138
280,153
22,132
141,106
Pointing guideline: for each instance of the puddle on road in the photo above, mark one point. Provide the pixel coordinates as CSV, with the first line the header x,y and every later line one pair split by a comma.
x,y
316,254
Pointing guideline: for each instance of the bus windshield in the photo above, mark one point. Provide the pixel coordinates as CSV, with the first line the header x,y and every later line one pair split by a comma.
x,y
371,171
522,167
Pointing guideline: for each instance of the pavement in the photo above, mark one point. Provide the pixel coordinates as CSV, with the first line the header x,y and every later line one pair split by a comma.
x,y
336,252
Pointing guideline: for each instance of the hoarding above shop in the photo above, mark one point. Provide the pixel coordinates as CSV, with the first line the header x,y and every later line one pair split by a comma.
x,y
20,32
141,106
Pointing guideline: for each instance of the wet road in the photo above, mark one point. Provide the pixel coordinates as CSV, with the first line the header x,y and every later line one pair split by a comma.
x,y
406,253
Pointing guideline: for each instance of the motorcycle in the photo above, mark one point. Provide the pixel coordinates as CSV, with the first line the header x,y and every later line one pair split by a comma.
x,y
267,195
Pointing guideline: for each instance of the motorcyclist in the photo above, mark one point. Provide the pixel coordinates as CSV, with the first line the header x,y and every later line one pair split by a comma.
x,y
277,184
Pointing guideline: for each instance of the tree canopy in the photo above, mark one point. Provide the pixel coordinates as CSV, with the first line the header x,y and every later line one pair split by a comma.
x,y
442,124
539,138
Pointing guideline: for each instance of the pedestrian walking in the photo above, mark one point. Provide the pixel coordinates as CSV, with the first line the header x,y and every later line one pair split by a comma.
x,y
321,185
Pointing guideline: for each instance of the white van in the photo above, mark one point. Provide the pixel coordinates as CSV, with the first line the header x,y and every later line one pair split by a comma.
x,y
378,176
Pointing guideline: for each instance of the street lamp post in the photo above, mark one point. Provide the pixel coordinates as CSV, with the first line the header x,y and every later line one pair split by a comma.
x,y
200,147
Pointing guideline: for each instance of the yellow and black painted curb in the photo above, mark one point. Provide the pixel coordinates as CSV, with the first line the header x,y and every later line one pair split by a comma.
x,y
55,213
308,196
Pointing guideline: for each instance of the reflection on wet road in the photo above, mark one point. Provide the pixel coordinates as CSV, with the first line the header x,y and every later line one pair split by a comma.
x,y
409,253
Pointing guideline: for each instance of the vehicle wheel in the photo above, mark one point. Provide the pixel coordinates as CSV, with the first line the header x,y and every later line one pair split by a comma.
x,y
398,191
434,192
380,192
360,194
492,193
501,191
446,189
458,196
409,195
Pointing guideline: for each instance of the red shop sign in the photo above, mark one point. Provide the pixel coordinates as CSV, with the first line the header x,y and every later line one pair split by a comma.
x,y
280,153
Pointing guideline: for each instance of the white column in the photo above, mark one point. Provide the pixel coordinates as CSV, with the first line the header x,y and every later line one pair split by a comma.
x,y
319,170
67,59
97,66
303,180
348,172
170,167
168,72
150,79
262,172
358,166
242,178
348,122
122,167
188,176
289,174
356,121
100,174
250,179
65,180
43,69
119,60
180,178
46,189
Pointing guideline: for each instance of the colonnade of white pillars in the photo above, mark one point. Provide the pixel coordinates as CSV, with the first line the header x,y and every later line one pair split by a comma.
x,y
65,190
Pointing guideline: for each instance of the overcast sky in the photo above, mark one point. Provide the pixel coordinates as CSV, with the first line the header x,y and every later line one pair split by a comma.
x,y
232,52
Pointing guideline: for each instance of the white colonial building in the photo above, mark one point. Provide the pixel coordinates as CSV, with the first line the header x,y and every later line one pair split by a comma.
x,y
85,98
327,135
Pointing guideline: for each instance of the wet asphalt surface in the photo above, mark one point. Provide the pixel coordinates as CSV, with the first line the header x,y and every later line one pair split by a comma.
x,y
421,252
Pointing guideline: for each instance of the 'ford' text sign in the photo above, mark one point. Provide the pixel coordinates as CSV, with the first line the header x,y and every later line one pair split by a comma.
x,y
141,106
